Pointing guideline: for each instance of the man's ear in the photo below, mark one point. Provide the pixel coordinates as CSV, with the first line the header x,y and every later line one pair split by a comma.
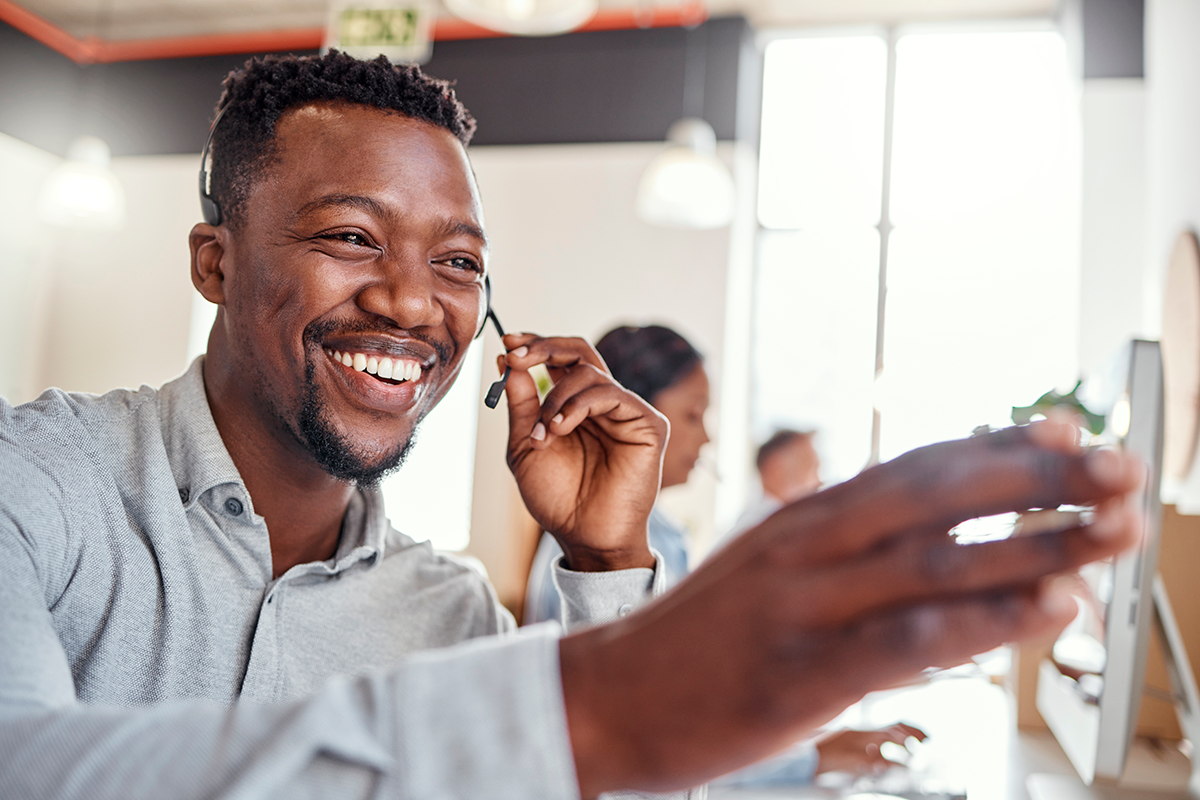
x,y
208,254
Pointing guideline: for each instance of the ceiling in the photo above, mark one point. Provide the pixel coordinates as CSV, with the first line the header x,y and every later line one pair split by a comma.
x,y
125,20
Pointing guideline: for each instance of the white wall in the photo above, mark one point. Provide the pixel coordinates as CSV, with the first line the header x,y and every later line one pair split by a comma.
x,y
26,265
122,300
1113,218
1173,137
1173,164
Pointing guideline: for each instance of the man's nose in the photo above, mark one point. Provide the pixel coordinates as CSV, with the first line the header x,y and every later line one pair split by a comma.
x,y
402,288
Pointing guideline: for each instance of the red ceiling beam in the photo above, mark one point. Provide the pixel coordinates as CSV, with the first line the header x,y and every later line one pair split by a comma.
x,y
93,50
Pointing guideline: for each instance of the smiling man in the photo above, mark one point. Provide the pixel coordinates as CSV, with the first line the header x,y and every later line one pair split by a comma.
x,y
201,594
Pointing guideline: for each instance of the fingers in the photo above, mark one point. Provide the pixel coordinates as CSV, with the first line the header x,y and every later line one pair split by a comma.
x,y
526,350
861,752
523,406
587,394
936,487
919,569
945,634
900,732
583,390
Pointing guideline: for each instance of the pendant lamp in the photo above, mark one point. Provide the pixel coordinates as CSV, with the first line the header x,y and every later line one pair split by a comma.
x,y
83,191
525,17
686,185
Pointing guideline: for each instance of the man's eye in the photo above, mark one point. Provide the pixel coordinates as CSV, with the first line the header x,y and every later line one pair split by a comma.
x,y
464,263
350,238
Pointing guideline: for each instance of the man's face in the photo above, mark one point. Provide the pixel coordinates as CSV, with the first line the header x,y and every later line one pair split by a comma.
x,y
356,282
794,471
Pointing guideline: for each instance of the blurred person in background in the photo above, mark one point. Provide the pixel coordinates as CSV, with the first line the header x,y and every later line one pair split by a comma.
x,y
788,468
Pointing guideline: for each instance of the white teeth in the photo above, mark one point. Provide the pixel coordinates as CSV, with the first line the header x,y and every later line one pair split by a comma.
x,y
392,369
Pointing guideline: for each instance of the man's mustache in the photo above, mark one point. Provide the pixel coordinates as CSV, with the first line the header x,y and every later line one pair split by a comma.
x,y
318,330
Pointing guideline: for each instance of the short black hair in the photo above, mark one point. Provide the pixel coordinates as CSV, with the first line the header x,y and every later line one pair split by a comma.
x,y
779,440
259,93
646,360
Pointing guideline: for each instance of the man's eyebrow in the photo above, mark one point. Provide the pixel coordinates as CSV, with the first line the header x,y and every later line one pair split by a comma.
x,y
466,229
368,204
374,207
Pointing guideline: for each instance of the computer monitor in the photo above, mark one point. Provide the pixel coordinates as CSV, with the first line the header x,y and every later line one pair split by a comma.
x,y
1093,710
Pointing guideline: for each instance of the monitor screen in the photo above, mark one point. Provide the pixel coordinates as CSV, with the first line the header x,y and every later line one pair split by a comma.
x,y
1090,692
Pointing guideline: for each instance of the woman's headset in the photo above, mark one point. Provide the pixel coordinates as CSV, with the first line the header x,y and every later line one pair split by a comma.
x,y
212,215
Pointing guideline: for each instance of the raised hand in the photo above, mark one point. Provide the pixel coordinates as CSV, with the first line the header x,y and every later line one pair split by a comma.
x,y
853,589
588,459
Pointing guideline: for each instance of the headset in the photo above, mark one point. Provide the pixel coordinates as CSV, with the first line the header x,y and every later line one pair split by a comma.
x,y
213,216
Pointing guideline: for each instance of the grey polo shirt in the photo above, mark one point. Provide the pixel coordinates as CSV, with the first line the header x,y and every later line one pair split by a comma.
x,y
146,650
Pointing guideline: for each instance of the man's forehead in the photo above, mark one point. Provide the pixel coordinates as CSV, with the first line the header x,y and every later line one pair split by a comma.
x,y
337,131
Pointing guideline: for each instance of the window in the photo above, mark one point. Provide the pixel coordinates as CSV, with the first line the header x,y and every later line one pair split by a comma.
x,y
977,237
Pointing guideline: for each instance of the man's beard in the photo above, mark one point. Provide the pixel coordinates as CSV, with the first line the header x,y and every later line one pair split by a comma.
x,y
333,452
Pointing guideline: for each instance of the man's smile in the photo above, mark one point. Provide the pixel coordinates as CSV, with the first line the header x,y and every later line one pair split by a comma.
x,y
392,376
390,370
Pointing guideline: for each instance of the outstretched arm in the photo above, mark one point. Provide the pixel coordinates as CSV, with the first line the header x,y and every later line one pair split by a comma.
x,y
847,591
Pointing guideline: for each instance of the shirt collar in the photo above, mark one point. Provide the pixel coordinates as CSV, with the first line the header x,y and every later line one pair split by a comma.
x,y
198,457
200,462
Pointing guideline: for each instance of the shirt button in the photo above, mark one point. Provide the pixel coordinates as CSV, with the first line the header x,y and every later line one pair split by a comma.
x,y
184,494
625,610
233,506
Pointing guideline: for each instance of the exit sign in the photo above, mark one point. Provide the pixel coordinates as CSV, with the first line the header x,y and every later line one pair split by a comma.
x,y
402,32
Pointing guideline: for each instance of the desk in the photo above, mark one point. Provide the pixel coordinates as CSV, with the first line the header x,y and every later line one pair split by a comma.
x,y
973,741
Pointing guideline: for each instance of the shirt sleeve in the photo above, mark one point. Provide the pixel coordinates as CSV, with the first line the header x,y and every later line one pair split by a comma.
x,y
593,598
482,719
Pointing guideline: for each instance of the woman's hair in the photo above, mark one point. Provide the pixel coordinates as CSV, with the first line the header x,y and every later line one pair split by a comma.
x,y
646,360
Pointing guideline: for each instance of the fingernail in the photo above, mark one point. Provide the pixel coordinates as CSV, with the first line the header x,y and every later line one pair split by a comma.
x,y
1104,466
557,419
539,432
521,351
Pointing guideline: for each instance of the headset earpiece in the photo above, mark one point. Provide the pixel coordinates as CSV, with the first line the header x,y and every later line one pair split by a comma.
x,y
487,293
497,388
208,206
